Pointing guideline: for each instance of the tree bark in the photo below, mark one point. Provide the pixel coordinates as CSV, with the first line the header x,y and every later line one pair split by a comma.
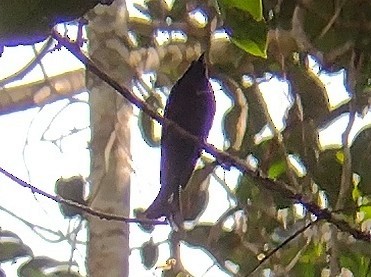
x,y
108,245
40,93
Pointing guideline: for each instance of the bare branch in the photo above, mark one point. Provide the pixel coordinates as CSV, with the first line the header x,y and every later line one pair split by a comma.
x,y
37,228
29,66
333,19
84,208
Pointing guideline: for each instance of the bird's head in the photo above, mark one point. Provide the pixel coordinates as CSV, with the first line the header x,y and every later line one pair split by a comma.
x,y
197,75
199,67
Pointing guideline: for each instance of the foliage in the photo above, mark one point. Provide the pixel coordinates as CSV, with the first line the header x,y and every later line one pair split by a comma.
x,y
12,248
274,40
30,21
70,189
270,40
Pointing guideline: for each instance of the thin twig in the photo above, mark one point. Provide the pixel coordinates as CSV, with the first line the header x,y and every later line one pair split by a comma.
x,y
73,242
346,174
36,228
286,241
333,19
29,66
224,185
71,101
84,208
26,142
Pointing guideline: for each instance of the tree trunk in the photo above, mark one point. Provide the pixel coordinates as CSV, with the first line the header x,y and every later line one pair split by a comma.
x,y
108,245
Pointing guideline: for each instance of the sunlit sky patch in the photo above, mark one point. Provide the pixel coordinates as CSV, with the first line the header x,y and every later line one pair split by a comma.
x,y
198,17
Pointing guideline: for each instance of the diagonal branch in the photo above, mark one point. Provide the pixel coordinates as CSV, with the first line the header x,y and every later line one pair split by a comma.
x,y
84,208
286,241
39,229
222,157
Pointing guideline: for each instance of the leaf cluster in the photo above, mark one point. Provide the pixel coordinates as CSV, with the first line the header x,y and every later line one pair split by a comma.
x,y
12,248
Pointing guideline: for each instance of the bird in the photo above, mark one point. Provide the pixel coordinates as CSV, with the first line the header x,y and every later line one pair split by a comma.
x,y
191,105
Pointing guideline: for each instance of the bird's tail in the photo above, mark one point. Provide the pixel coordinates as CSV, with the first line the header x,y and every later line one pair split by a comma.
x,y
163,205
170,209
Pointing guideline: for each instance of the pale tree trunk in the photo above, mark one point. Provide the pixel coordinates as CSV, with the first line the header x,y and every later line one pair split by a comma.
x,y
108,243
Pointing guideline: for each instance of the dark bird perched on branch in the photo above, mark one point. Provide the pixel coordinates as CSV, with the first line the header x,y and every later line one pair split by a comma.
x,y
191,104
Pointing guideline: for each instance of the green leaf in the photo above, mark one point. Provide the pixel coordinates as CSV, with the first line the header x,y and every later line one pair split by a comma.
x,y
313,253
246,189
327,174
340,156
301,139
308,269
149,254
246,33
71,189
361,162
277,169
250,40
366,210
312,260
12,247
357,264
12,250
356,193
356,248
254,7
246,43
36,267
178,10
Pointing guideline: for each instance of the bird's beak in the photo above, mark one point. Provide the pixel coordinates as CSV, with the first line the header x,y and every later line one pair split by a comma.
x,y
202,58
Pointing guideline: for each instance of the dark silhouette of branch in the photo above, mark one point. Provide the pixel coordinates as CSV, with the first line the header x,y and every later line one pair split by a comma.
x,y
37,229
84,208
286,241
222,157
